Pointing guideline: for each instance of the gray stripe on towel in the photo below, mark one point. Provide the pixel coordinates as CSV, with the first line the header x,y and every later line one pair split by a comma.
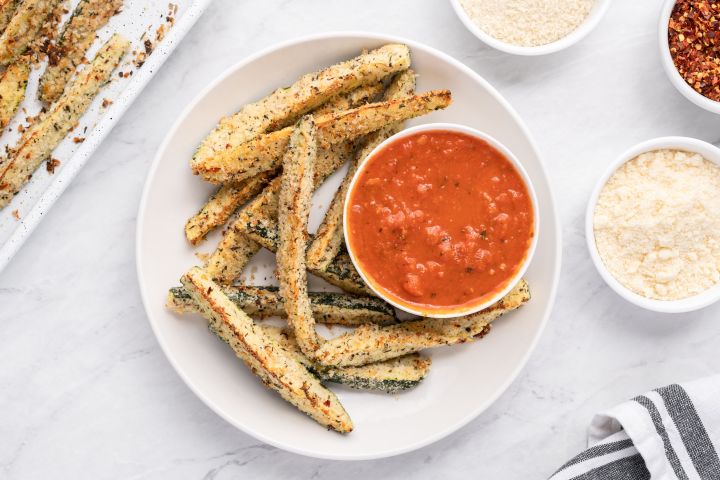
x,y
692,431
662,432
628,468
598,451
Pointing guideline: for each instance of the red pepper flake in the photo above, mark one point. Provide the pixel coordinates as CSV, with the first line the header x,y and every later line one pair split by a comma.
x,y
694,36
106,102
51,165
78,140
16,214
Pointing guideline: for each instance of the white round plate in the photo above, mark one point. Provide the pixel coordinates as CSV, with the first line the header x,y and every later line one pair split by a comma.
x,y
463,381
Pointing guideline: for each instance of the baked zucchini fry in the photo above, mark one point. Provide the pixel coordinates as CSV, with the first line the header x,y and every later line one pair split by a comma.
x,y
347,101
341,272
293,211
23,28
231,196
277,369
258,221
76,37
370,343
223,203
264,302
231,256
7,10
285,105
235,251
40,139
392,376
13,84
266,151
220,206
259,218
239,245
329,237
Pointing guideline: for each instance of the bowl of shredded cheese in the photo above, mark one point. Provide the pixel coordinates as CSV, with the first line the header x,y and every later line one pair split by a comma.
x,y
530,27
653,225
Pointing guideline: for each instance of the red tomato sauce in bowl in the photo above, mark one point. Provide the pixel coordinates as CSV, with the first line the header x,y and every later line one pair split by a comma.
x,y
439,221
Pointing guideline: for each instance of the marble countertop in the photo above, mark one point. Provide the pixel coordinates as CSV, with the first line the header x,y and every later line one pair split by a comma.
x,y
87,392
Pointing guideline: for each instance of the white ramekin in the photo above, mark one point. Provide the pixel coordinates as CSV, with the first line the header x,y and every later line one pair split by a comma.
x,y
708,297
593,19
531,191
675,78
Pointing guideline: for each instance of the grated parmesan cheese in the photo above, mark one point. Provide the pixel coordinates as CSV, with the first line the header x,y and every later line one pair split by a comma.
x,y
528,23
657,225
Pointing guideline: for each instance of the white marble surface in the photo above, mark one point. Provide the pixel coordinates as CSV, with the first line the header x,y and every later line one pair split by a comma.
x,y
85,391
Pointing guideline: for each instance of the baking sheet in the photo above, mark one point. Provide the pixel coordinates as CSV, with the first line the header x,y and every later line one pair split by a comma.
x,y
140,20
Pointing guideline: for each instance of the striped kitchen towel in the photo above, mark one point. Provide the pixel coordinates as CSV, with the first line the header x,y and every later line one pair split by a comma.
x,y
672,433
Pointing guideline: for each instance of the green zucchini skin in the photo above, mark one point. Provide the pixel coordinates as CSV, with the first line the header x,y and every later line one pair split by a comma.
x,y
341,272
392,376
328,307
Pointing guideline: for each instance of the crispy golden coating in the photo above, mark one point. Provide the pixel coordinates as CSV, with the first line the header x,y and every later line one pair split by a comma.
x,y
329,237
276,368
23,27
231,256
370,343
285,105
265,151
12,89
7,10
391,376
263,302
222,204
293,210
38,141
77,36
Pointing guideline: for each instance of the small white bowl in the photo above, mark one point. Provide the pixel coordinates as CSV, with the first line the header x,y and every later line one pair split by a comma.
x,y
708,297
523,174
675,78
588,25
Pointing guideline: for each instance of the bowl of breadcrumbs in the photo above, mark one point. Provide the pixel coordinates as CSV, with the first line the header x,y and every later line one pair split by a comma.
x,y
530,27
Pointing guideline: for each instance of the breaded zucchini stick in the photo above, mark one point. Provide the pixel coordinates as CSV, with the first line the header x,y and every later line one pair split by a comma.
x,y
341,272
220,207
265,151
23,28
7,10
258,221
285,105
239,244
293,211
259,217
265,302
40,139
277,369
76,37
328,239
13,84
353,99
392,376
231,256
370,343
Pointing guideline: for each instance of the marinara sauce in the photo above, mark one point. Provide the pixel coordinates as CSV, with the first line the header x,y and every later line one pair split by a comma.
x,y
439,220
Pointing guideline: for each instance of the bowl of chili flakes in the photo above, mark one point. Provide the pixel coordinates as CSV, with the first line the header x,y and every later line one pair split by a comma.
x,y
690,49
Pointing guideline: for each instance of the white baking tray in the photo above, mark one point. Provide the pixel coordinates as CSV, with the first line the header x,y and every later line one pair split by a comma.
x,y
139,19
